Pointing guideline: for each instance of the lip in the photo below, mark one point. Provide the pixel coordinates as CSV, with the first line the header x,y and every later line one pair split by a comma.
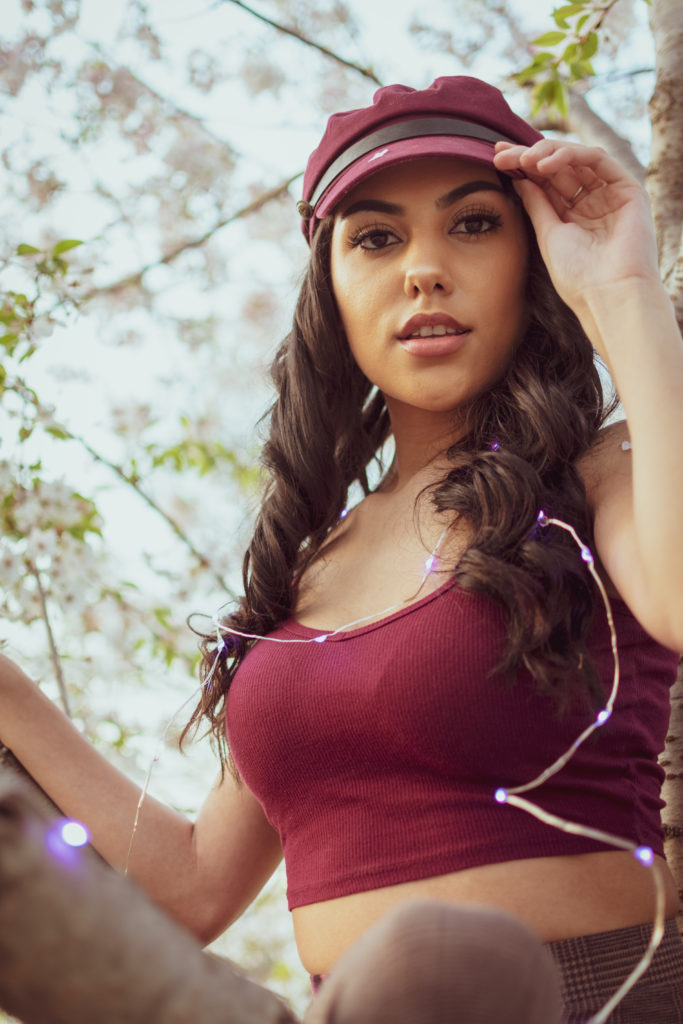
x,y
438,345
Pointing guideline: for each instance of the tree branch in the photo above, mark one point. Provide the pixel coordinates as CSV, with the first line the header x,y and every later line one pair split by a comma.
x,y
665,174
28,395
594,131
366,72
132,280
54,653
57,962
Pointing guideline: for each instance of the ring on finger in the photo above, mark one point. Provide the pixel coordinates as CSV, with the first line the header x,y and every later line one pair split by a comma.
x,y
573,199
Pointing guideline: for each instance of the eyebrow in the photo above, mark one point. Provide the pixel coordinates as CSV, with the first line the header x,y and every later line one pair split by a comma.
x,y
442,203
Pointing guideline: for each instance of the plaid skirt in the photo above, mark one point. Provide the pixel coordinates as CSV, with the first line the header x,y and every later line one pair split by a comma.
x,y
593,967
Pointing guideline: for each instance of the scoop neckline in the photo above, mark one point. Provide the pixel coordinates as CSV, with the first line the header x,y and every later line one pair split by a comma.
x,y
311,632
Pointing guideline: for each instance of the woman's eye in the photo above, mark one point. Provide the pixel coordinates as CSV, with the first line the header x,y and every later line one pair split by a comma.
x,y
477,224
373,239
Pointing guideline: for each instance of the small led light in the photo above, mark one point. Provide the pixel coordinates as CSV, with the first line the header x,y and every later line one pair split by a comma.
x,y
542,518
645,855
603,716
430,563
495,446
344,513
501,796
321,639
587,554
73,833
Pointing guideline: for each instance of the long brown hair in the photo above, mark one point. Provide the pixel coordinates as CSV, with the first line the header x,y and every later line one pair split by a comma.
x,y
328,424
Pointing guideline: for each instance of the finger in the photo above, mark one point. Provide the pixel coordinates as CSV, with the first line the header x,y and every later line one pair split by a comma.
x,y
542,210
552,156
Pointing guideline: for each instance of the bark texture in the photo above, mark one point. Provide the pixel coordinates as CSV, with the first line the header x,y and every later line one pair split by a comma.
x,y
672,791
665,173
665,185
79,943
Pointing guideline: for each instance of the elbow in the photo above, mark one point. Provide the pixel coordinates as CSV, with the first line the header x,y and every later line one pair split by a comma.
x,y
205,921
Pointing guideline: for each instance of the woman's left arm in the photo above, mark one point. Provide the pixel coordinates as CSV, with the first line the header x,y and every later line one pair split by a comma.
x,y
595,233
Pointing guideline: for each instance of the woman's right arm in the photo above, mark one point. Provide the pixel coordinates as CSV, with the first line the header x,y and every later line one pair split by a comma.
x,y
204,874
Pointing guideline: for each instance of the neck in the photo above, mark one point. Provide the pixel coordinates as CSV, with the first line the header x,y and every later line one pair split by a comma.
x,y
421,440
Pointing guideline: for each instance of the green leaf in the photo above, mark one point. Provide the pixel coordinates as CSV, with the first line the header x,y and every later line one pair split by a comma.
x,y
59,432
3,374
65,245
161,615
26,250
581,69
581,22
541,59
542,94
9,340
590,47
567,11
561,97
31,350
550,39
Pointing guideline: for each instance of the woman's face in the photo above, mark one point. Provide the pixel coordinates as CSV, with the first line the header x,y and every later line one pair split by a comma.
x,y
429,263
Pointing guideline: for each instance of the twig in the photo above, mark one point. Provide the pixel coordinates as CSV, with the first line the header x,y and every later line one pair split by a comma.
x,y
366,72
203,560
54,654
194,243
21,389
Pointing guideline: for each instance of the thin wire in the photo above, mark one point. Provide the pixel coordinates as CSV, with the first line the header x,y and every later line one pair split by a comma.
x,y
220,646
509,796
429,568
155,759
502,795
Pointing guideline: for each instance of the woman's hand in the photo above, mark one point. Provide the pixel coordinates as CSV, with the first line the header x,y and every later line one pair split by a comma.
x,y
592,219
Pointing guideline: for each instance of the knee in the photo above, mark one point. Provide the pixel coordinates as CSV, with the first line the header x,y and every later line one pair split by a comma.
x,y
427,963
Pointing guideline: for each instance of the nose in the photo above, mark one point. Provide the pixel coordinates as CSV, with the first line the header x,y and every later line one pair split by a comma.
x,y
427,272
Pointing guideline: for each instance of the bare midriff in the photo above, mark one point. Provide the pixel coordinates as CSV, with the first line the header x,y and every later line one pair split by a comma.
x,y
557,897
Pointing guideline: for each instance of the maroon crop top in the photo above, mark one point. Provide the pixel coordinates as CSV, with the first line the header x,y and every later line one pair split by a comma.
x,y
376,754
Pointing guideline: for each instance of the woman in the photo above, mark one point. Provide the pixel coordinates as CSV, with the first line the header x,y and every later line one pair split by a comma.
x,y
391,669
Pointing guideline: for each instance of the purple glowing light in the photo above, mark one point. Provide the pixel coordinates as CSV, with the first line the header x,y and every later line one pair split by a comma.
x,y
321,639
542,518
501,796
645,855
73,833
603,716
587,554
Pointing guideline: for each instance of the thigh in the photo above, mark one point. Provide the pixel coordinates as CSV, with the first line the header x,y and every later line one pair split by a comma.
x,y
427,963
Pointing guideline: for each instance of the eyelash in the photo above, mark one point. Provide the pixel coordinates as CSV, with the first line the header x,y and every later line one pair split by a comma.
x,y
464,217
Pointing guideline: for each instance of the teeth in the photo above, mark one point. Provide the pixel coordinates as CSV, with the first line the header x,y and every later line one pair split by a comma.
x,y
434,332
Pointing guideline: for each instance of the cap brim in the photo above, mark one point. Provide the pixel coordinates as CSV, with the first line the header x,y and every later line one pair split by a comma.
x,y
403,151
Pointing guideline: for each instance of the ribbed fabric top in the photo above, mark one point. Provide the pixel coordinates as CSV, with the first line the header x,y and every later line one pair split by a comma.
x,y
376,754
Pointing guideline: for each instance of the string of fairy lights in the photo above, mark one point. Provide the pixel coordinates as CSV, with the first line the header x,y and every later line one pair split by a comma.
x,y
510,796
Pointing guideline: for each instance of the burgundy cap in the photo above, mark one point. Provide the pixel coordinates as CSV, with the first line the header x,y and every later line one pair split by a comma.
x,y
456,116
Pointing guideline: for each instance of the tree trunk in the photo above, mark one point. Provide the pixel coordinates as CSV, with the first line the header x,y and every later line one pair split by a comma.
x,y
665,174
672,792
665,185
79,943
